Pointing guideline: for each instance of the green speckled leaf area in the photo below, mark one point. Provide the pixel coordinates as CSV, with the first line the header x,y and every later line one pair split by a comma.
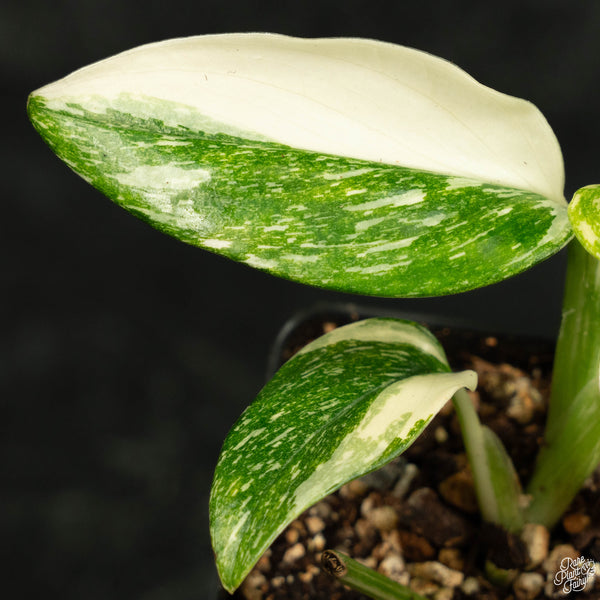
x,y
584,212
345,405
329,221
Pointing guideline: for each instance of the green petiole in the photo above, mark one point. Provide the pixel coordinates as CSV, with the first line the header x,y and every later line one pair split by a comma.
x,y
572,437
364,579
496,482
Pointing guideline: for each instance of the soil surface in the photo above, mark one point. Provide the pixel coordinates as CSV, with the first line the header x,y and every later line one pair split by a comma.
x,y
417,521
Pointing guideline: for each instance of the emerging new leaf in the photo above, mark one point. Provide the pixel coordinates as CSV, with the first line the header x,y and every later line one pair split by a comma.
x,y
344,163
345,405
584,212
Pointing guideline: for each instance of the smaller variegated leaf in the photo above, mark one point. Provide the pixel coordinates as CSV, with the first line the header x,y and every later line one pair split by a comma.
x,y
584,212
345,405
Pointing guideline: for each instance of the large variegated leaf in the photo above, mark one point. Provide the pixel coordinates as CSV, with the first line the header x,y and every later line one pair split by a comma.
x,y
584,212
345,405
344,163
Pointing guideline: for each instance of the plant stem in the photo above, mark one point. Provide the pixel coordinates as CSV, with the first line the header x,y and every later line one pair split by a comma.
x,y
365,580
572,437
496,483
577,357
472,434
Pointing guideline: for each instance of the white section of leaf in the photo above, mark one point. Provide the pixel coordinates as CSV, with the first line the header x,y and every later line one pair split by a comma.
x,y
434,220
276,227
387,246
260,263
364,225
216,244
161,187
504,211
420,395
163,178
392,415
352,97
168,142
254,433
586,234
459,183
280,437
406,199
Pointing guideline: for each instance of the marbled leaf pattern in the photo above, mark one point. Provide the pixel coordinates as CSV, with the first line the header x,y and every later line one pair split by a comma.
x,y
345,405
324,220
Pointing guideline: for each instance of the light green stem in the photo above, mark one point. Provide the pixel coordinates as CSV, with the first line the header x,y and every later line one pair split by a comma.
x,y
365,580
496,483
578,348
572,437
472,433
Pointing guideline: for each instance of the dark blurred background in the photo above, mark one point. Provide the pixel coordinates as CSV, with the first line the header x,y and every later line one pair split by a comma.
x,y
125,356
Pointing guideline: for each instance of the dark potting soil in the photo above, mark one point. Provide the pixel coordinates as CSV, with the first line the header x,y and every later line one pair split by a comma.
x,y
417,521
